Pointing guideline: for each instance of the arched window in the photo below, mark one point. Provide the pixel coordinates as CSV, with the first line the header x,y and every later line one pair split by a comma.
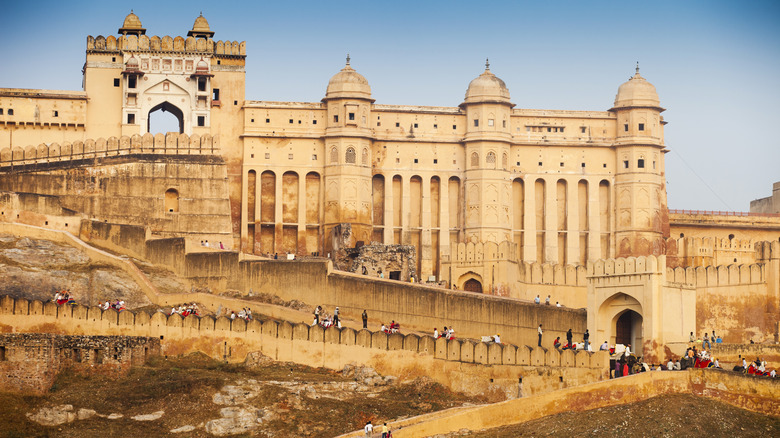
x,y
491,159
474,159
350,155
334,155
365,157
172,201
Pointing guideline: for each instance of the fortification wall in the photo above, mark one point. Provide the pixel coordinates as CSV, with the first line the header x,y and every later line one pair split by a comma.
x,y
166,43
746,392
20,158
181,194
730,353
29,362
706,251
460,364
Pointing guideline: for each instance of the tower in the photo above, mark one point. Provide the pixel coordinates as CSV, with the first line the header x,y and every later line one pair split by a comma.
x,y
487,142
640,191
347,173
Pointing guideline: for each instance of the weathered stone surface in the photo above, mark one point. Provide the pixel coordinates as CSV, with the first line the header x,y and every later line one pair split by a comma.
x,y
187,428
234,420
149,417
53,416
233,395
114,416
84,414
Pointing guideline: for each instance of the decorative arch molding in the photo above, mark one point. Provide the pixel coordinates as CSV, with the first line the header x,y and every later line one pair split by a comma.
x,y
166,107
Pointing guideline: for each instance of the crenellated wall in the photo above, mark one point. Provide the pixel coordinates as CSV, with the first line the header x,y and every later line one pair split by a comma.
x,y
473,364
159,144
164,44
706,251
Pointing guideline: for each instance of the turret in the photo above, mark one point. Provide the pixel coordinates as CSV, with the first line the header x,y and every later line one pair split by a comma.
x,y
640,191
487,141
348,154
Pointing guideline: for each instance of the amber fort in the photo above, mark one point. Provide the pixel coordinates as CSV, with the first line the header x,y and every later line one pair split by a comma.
x,y
427,215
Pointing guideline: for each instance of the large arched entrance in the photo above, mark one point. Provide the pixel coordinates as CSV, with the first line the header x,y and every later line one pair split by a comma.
x,y
165,124
620,321
472,285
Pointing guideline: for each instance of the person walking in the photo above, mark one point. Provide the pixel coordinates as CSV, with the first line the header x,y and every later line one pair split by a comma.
x,y
369,429
384,430
365,319
540,334
586,338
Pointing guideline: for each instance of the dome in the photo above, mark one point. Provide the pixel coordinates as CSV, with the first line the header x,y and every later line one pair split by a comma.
x,y
637,92
487,87
348,83
202,65
132,25
201,28
132,63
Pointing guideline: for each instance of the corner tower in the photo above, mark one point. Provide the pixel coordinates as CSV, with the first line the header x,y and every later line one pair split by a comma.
x,y
488,192
640,191
347,140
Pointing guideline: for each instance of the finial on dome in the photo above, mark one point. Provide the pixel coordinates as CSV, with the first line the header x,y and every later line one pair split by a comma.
x,y
201,13
637,67
487,64
347,58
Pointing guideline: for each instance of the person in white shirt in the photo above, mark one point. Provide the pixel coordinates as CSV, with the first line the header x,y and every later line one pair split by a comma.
x,y
604,346
497,338
435,333
537,300
628,350
557,304
369,429
670,365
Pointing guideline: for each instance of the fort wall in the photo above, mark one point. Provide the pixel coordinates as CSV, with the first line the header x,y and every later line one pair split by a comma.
x,y
165,43
746,392
29,362
463,365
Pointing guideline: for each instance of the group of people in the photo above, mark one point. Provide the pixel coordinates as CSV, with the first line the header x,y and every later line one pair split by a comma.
x,y
369,430
119,305
394,327
323,320
570,345
245,314
755,368
538,300
447,333
63,297
212,245
185,310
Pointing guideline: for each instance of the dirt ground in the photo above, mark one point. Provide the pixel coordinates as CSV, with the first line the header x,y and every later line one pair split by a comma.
x,y
663,416
298,401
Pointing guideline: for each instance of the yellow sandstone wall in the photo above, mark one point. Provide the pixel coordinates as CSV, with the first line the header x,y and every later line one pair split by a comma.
x,y
461,365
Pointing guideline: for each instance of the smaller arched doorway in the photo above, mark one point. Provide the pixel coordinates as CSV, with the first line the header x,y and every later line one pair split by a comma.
x,y
628,329
472,285
172,201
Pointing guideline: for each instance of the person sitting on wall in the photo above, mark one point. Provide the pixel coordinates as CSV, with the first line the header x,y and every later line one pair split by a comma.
x,y
395,327
450,334
537,300
604,346
718,340
435,333
705,341
497,338
557,342
670,365
547,300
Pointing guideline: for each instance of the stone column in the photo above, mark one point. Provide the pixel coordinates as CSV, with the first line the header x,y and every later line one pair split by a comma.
x,y
529,222
388,231
550,221
426,253
278,228
406,210
301,244
572,223
594,220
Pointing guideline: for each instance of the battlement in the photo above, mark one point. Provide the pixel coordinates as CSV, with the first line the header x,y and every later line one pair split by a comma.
x,y
170,144
179,44
256,332
714,276
627,266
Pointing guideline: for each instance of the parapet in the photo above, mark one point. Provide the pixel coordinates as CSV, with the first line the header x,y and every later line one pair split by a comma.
x,y
627,266
179,44
713,276
170,144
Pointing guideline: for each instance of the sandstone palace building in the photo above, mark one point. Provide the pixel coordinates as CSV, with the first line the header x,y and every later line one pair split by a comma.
x,y
493,197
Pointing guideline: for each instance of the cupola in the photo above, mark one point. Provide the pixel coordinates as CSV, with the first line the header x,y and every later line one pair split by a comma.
x,y
200,29
487,88
348,83
637,93
132,25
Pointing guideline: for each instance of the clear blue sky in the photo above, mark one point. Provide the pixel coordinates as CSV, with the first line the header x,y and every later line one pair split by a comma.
x,y
715,63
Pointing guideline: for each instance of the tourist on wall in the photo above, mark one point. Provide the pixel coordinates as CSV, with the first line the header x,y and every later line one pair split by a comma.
x,y
365,319
539,330
537,300
586,338
705,342
568,338
557,342
547,300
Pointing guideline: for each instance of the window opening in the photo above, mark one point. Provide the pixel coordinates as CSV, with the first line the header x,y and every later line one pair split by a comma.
x,y
641,126
116,82
201,121
172,201
640,163
170,119
131,119
216,94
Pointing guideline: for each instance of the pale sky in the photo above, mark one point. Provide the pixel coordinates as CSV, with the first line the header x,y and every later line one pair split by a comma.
x,y
715,64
